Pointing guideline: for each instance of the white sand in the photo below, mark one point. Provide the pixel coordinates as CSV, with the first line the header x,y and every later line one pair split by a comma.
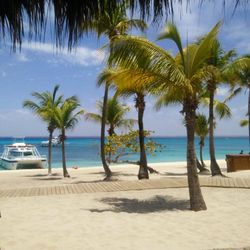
x,y
148,219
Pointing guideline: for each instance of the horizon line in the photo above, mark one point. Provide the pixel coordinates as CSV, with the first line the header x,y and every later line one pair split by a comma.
x,y
98,136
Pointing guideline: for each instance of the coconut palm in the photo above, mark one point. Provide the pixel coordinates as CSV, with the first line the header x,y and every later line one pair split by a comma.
x,y
128,88
238,73
115,115
218,61
181,78
111,24
44,107
66,117
201,130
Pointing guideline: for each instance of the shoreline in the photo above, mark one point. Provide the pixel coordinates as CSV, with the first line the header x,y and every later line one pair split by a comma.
x,y
119,165
18,179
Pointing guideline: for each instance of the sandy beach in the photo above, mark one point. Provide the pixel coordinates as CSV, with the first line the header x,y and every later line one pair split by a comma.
x,y
145,219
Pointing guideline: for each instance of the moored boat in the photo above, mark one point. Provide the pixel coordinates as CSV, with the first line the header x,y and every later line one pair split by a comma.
x,y
54,142
21,156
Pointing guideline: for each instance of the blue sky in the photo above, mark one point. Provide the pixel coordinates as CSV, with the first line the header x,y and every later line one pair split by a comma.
x,y
39,66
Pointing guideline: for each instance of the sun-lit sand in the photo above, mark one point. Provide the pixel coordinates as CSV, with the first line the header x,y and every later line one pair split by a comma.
x,y
147,219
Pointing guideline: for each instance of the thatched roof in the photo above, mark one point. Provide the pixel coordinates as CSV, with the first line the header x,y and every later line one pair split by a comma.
x,y
71,14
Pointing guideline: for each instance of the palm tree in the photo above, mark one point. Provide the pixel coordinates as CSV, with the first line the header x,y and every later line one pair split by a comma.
x,y
181,78
115,115
44,107
111,24
239,72
201,130
66,117
128,88
218,61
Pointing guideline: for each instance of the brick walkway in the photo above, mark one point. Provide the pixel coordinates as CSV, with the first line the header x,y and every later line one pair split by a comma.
x,y
113,186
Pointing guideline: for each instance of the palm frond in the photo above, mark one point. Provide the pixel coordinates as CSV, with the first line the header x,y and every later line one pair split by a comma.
x,y
45,105
170,97
31,105
234,71
130,52
93,117
171,32
222,109
244,123
202,51
233,92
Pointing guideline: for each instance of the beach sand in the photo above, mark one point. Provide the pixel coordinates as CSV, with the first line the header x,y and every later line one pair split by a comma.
x,y
146,219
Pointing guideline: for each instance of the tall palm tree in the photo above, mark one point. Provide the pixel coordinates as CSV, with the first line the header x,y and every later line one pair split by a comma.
x,y
44,107
239,75
181,77
66,117
115,115
201,130
218,61
128,88
111,24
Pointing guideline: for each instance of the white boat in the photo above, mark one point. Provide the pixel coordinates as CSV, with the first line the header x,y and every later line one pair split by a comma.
x,y
54,142
21,156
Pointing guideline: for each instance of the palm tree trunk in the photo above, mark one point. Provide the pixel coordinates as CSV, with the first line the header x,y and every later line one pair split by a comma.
x,y
50,151
107,170
249,115
214,167
198,165
201,156
201,152
111,131
202,168
65,172
143,170
197,202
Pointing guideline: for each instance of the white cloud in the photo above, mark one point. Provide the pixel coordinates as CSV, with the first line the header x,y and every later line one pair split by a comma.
x,y
238,34
8,114
221,91
239,110
82,55
22,112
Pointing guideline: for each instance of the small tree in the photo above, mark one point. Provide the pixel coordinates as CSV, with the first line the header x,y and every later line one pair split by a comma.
x,y
127,144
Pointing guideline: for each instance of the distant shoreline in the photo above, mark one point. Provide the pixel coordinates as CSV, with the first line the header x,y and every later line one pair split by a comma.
x,y
97,137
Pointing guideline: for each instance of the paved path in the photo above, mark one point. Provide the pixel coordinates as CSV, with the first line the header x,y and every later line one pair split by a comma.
x,y
114,186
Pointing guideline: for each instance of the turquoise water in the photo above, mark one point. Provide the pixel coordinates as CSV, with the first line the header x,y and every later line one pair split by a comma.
x,y
84,152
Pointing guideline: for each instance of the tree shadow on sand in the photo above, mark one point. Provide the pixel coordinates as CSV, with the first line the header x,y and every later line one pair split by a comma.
x,y
93,181
116,173
173,174
42,175
155,204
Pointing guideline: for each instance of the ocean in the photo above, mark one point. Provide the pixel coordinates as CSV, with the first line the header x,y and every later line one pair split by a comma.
x,y
84,151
